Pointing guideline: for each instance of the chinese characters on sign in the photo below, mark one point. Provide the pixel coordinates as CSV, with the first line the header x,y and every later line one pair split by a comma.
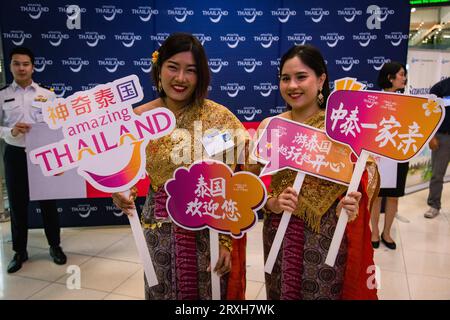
x,y
288,144
87,104
103,137
387,129
210,195
209,205
391,125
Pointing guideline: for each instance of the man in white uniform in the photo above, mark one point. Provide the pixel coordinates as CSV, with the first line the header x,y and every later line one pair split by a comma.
x,y
20,106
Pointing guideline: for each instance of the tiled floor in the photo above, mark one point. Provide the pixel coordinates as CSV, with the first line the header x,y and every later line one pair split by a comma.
x,y
108,263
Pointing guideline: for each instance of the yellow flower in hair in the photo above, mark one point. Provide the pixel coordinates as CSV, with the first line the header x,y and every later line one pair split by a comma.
x,y
155,56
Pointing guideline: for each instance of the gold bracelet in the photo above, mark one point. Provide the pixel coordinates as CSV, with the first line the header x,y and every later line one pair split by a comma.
x,y
226,241
264,208
134,192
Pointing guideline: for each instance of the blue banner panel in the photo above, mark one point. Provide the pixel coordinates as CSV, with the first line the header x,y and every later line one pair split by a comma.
x,y
84,43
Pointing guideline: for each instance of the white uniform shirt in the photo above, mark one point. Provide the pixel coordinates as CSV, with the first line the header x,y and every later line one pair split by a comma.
x,y
19,104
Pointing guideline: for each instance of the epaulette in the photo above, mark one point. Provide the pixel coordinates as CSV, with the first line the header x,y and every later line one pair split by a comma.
x,y
46,87
3,88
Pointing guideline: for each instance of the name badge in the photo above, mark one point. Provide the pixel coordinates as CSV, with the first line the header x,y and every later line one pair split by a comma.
x,y
40,98
446,100
217,142
37,111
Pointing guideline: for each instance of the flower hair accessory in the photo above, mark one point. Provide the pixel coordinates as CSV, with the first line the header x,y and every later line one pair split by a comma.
x,y
155,56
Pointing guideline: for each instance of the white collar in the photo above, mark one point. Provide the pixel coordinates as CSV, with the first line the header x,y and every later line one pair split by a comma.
x,y
33,85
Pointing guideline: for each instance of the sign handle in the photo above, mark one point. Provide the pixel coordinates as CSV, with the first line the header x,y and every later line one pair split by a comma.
x,y
141,246
343,218
282,227
215,279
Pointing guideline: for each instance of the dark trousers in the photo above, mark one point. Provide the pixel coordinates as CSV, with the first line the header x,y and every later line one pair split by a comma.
x,y
439,164
16,176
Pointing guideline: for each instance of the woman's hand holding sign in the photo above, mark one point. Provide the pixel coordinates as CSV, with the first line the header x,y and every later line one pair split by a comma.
x,y
286,201
223,265
124,203
351,205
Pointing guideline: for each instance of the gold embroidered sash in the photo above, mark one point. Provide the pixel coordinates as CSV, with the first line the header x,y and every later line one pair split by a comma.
x,y
185,142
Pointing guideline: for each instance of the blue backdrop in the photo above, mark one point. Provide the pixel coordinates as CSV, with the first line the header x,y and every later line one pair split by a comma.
x,y
243,40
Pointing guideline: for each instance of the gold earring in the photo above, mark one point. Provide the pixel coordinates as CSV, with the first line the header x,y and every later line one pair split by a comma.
x,y
320,98
159,86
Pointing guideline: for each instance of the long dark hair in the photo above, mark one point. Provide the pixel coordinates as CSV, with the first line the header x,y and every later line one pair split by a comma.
x,y
389,71
312,57
182,42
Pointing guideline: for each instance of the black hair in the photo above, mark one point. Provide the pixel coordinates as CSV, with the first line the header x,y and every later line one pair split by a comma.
x,y
389,72
182,42
22,50
312,57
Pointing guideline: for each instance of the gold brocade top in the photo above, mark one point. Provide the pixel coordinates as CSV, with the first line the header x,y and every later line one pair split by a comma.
x,y
316,195
184,145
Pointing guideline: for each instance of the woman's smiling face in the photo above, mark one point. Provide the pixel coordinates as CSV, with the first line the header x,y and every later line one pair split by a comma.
x,y
179,78
299,84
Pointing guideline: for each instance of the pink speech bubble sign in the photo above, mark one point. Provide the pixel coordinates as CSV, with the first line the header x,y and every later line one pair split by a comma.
x,y
209,195
391,125
287,144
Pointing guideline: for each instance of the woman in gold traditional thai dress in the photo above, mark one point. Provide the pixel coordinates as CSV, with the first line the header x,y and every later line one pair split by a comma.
x,y
181,257
300,271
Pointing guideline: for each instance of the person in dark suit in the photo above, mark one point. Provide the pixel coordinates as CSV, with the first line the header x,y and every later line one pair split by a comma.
x,y
440,151
20,106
